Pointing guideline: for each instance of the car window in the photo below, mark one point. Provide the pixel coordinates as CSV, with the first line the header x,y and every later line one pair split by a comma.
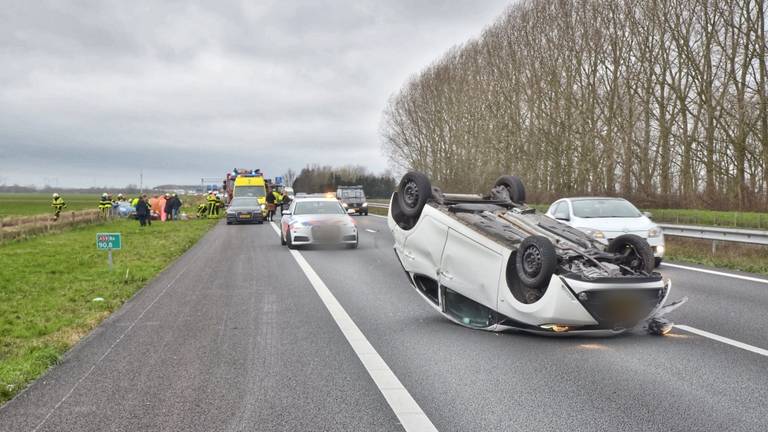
x,y
350,193
561,211
318,207
244,202
604,208
250,191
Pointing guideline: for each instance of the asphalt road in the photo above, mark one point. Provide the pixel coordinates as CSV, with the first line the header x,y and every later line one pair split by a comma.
x,y
233,337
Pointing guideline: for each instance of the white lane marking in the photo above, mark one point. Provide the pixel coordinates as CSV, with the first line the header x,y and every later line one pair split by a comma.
x,y
411,416
371,230
723,339
109,350
378,216
714,272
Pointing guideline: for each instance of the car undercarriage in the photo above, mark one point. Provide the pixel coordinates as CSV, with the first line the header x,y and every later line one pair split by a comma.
x,y
556,278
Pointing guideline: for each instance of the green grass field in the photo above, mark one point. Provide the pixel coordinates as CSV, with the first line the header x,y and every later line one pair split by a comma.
x,y
12,204
734,256
48,283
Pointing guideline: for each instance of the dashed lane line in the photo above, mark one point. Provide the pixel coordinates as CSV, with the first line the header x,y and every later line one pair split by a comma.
x,y
715,272
723,339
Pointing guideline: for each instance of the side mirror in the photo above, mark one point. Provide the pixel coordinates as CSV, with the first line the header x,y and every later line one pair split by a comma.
x,y
647,214
286,212
563,218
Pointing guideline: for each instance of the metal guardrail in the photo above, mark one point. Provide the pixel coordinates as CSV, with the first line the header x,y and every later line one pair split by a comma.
x,y
717,233
758,237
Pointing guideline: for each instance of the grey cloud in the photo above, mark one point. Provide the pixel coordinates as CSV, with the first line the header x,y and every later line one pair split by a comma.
x,y
190,89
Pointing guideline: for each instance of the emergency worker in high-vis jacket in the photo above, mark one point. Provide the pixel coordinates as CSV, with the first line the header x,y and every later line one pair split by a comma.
x,y
105,205
213,204
58,205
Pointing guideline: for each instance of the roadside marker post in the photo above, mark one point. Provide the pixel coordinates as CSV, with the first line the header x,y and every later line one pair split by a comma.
x,y
109,242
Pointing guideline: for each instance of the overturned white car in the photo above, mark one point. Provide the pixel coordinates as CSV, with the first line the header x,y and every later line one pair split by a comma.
x,y
493,263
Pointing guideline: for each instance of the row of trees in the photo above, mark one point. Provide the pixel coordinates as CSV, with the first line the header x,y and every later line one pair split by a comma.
x,y
321,179
661,101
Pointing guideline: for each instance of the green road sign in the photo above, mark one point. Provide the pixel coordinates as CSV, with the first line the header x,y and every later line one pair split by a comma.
x,y
108,241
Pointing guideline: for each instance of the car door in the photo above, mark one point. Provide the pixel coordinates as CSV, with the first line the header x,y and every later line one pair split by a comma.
x,y
423,249
472,271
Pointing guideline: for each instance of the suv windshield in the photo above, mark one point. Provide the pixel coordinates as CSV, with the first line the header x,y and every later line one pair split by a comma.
x,y
244,202
318,207
250,191
350,193
604,208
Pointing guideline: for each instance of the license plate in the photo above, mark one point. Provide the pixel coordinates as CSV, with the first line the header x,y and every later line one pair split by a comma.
x,y
245,216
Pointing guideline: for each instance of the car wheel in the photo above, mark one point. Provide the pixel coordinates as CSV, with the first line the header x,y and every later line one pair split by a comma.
x,y
535,261
634,252
414,192
282,238
514,186
366,213
229,223
354,245
656,262
289,241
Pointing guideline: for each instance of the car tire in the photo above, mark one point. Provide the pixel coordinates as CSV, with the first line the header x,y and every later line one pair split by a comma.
x,y
366,213
229,223
514,186
414,192
354,245
282,238
638,254
535,261
656,262
289,242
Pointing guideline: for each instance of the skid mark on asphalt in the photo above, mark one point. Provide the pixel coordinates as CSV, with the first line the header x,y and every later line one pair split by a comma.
x,y
723,339
411,416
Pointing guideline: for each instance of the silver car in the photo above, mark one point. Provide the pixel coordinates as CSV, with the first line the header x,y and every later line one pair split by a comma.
x,y
317,220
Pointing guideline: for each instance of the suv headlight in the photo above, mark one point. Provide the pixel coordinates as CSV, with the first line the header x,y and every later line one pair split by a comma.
x,y
344,205
654,231
263,206
365,204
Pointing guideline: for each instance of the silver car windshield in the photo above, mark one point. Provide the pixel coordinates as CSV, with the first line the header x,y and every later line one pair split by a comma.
x,y
318,207
604,208
244,202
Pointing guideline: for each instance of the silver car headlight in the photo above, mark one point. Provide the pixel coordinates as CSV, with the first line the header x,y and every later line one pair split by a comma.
x,y
595,234
344,205
655,231
263,206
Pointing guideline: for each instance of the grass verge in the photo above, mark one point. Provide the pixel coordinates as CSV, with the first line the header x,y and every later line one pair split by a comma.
x,y
711,218
378,211
23,204
734,256
48,283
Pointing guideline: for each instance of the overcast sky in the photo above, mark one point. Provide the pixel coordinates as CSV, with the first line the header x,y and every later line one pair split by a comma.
x,y
93,92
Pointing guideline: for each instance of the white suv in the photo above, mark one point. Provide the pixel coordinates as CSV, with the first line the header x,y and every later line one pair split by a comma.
x,y
607,218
